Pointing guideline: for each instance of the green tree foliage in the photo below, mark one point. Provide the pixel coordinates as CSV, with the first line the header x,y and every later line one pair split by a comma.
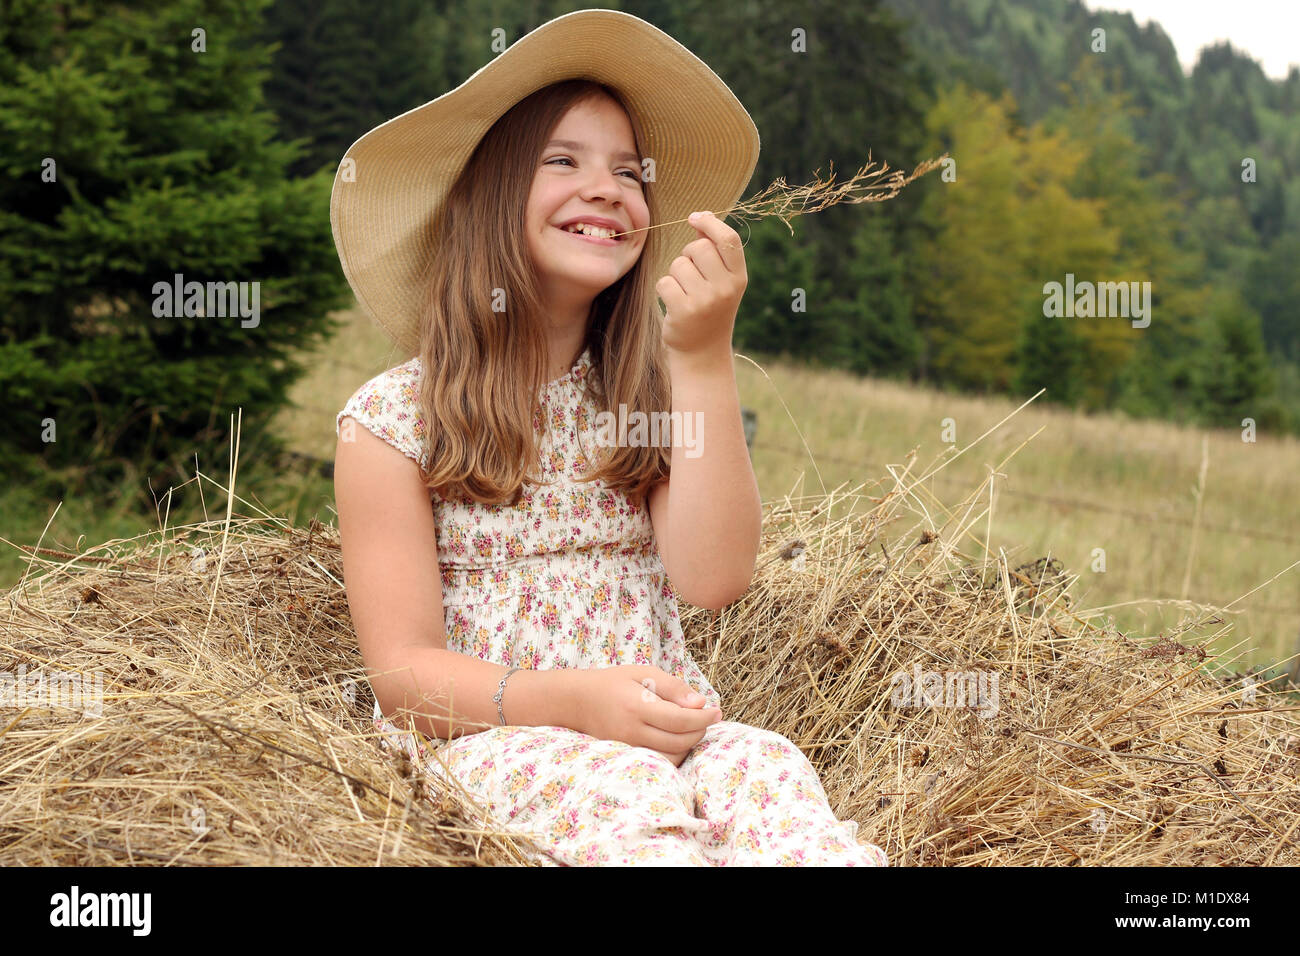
x,y
1048,356
1227,230
1231,378
1273,289
1034,47
875,311
136,151
342,67
773,319
828,85
1008,225
1156,242
788,310
965,275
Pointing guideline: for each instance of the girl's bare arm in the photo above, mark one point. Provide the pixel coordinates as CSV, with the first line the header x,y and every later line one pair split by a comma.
x,y
707,515
390,569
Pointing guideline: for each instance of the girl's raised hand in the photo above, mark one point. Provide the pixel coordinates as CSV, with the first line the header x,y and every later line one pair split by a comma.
x,y
703,288
643,706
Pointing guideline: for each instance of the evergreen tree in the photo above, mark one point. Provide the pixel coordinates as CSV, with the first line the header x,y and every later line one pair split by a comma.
x,y
1273,289
137,148
1186,210
774,319
1048,356
875,311
1231,377
342,67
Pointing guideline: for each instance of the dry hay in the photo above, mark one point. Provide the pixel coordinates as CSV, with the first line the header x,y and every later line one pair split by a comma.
x,y
235,722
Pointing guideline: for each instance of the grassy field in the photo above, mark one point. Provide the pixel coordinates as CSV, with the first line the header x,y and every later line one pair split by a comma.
x,y
1073,483
1066,484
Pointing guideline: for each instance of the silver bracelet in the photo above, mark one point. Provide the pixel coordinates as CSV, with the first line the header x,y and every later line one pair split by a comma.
x,y
501,689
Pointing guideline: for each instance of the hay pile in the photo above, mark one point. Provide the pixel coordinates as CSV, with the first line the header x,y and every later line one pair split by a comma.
x,y
235,722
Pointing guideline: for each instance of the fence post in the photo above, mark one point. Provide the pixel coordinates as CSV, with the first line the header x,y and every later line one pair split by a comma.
x,y
749,419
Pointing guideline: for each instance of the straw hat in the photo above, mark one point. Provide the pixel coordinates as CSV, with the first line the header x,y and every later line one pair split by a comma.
x,y
704,144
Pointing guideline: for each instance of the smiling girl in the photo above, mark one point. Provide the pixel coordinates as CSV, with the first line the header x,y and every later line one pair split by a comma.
x,y
513,584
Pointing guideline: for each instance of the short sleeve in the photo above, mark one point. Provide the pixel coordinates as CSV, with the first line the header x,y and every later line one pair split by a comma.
x,y
386,407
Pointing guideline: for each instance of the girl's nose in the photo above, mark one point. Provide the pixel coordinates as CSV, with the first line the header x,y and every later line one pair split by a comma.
x,y
601,185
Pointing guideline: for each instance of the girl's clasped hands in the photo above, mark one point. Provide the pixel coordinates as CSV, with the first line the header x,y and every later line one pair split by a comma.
x,y
645,707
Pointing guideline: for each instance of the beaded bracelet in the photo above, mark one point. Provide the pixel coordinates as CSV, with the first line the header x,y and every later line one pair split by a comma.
x,y
501,689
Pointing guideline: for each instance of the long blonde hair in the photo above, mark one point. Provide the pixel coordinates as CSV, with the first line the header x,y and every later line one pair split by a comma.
x,y
483,369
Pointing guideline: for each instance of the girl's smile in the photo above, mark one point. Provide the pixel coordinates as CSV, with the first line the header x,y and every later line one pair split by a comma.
x,y
595,239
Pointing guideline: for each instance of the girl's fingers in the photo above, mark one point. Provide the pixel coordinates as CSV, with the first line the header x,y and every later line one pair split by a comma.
x,y
671,718
677,691
725,241
703,254
688,274
667,743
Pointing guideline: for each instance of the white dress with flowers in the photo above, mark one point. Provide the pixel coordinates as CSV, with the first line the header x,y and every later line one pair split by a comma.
x,y
571,577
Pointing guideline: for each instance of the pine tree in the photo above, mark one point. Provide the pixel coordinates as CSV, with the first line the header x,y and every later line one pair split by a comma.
x,y
876,311
1231,378
1048,355
137,148
345,66
783,299
1272,288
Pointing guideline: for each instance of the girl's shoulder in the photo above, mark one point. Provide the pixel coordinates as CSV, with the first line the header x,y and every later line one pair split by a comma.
x,y
386,406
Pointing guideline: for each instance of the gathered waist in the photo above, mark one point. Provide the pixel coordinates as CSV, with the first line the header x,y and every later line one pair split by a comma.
x,y
583,569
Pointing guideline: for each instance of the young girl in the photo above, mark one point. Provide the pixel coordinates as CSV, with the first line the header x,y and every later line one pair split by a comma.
x,y
512,572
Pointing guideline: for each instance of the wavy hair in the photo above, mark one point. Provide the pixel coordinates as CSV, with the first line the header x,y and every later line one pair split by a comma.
x,y
481,372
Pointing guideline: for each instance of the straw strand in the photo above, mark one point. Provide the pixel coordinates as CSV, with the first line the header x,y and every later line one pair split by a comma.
x,y
868,184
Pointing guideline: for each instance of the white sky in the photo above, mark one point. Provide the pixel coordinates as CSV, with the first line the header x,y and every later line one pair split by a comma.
x,y
1268,30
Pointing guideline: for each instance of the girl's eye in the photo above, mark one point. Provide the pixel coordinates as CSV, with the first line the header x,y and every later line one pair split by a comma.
x,y
566,159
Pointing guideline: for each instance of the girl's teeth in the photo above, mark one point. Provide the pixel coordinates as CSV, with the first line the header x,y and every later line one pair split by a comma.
x,y
596,231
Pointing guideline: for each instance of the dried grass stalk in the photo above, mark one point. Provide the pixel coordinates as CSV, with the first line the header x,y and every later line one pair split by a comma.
x,y
872,183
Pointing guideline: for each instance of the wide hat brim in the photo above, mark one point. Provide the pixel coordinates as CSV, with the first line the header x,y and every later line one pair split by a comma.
x,y
703,143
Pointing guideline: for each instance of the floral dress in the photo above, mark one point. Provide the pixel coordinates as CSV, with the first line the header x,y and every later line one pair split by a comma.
x,y
571,577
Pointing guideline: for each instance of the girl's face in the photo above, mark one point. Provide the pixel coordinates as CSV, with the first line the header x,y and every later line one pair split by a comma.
x,y
594,177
